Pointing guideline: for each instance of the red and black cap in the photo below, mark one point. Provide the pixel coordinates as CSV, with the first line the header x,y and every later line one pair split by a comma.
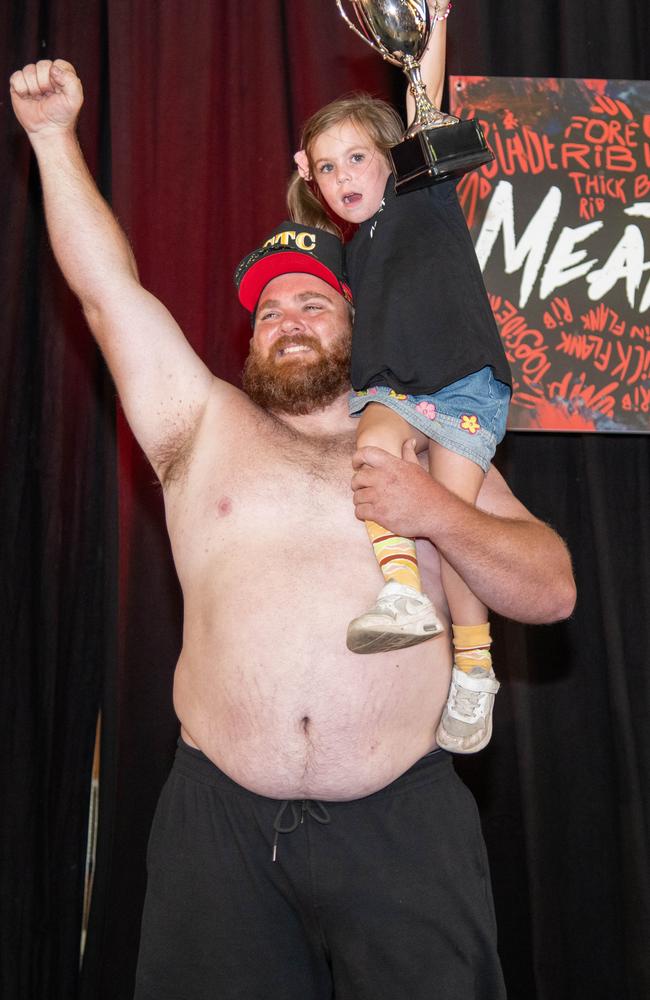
x,y
290,249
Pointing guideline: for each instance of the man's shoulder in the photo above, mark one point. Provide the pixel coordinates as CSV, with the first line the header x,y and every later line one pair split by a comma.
x,y
228,417
496,497
231,413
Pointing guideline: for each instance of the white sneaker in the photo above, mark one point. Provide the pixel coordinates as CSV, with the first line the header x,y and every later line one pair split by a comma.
x,y
402,616
466,723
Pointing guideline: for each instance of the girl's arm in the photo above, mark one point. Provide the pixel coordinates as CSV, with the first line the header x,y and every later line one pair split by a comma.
x,y
432,65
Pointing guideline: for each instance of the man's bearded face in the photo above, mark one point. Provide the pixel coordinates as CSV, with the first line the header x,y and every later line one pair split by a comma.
x,y
299,382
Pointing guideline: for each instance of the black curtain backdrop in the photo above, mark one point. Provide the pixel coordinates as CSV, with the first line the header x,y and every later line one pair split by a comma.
x,y
192,112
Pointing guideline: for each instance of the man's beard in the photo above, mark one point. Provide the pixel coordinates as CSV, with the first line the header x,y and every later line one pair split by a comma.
x,y
300,385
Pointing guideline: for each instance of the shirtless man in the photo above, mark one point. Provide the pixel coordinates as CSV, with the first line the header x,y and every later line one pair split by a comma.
x,y
307,842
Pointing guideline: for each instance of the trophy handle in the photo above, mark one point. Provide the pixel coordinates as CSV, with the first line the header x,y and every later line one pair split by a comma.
x,y
376,45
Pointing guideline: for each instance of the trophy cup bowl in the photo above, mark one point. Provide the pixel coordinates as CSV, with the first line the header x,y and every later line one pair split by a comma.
x,y
435,146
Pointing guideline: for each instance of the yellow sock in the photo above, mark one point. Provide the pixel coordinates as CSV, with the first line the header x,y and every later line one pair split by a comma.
x,y
395,555
472,647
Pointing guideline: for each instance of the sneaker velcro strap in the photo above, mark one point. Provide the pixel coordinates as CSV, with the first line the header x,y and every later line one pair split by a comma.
x,y
489,684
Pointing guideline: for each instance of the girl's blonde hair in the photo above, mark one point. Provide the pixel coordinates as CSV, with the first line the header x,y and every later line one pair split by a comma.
x,y
382,124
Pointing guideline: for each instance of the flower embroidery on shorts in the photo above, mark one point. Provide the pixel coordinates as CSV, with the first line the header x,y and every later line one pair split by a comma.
x,y
469,423
396,395
428,409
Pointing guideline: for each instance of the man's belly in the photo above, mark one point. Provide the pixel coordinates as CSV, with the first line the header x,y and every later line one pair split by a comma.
x,y
267,689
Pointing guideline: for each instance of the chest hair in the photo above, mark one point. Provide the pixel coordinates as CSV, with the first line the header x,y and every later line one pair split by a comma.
x,y
324,458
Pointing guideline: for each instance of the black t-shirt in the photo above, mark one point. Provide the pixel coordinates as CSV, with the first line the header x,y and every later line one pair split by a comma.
x,y
422,315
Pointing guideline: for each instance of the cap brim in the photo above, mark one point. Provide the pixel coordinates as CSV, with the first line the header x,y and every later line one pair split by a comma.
x,y
266,269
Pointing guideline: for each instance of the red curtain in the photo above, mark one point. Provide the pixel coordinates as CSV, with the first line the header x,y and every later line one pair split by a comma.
x,y
58,516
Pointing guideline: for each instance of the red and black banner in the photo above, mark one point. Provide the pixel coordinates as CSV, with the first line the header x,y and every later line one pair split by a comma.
x,y
561,224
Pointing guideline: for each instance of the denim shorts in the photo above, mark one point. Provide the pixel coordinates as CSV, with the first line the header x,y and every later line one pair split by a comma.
x,y
468,417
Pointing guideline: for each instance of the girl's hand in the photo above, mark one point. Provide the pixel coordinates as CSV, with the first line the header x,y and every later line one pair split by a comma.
x,y
46,96
442,5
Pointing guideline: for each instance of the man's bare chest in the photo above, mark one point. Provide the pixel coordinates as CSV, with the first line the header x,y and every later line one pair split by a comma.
x,y
250,486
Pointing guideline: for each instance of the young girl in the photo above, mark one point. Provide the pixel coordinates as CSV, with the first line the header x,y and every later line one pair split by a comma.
x,y
426,356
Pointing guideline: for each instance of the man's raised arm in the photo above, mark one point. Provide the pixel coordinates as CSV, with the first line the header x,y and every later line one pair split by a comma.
x,y
517,565
163,385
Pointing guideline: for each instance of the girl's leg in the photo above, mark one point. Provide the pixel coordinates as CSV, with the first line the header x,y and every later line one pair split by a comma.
x,y
466,724
381,427
402,615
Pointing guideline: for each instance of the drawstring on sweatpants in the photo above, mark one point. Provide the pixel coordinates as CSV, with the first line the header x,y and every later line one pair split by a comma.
x,y
315,809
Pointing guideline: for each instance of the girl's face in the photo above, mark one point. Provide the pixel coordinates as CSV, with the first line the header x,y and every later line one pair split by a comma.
x,y
350,171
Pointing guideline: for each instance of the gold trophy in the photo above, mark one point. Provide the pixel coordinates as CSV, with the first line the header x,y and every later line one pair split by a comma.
x,y
435,146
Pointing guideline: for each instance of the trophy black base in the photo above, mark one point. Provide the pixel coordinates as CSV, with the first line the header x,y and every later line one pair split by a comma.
x,y
438,154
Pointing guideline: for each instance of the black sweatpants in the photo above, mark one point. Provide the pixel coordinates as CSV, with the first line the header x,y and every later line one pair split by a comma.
x,y
383,898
